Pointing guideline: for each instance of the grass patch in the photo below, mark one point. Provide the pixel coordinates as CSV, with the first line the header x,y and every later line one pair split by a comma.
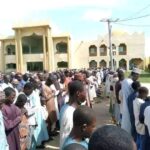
x,y
144,77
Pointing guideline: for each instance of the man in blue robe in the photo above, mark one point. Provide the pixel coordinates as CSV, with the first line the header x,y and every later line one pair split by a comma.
x,y
135,86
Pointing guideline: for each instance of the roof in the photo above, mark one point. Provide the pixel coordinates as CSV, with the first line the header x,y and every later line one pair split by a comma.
x,y
67,35
7,38
31,25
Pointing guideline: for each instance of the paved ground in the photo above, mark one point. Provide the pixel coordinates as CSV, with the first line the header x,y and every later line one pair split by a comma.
x,y
101,108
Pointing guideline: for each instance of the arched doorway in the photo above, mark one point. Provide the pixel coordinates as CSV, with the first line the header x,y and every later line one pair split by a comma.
x,y
35,66
123,64
93,64
62,64
103,63
136,62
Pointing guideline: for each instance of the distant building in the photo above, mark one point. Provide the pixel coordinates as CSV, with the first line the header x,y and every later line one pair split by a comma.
x,y
33,48
128,51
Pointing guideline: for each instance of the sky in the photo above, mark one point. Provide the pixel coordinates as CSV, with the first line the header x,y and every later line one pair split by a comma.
x,y
79,18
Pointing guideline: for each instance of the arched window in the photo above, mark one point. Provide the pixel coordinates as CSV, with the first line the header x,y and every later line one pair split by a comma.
x,y
93,64
10,49
123,64
11,66
26,49
136,62
122,49
61,47
103,50
32,44
92,50
62,64
103,63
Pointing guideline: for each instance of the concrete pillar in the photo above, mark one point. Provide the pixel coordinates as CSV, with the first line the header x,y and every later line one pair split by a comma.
x,y
98,51
17,56
127,63
19,51
69,56
2,57
44,53
117,50
107,64
117,64
144,63
50,52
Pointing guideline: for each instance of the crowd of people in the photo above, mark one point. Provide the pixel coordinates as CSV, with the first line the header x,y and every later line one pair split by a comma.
x,y
130,105
31,105
34,107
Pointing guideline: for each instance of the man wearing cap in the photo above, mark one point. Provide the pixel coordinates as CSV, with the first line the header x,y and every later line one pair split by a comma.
x,y
126,91
3,139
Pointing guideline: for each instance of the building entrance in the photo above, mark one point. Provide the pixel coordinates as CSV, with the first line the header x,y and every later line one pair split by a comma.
x,y
34,66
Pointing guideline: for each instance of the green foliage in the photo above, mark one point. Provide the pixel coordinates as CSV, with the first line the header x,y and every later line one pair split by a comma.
x,y
144,77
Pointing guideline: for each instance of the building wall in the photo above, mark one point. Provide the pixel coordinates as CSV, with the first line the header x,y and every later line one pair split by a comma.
x,y
135,49
58,57
77,56
7,59
48,57
31,58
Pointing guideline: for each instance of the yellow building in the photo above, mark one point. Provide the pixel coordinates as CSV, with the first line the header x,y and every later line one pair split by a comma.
x,y
33,48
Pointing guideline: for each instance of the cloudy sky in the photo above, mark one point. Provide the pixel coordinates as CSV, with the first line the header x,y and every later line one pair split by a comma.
x,y
78,17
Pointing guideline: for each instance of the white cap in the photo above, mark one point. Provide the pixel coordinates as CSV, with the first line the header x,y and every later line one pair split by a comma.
x,y
136,70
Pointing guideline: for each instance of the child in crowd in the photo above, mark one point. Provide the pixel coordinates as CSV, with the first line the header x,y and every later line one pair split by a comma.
x,y
23,126
77,95
74,146
12,118
84,122
140,128
135,86
110,137
30,107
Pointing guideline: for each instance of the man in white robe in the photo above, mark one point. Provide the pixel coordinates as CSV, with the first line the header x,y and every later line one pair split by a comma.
x,y
77,96
147,118
3,140
126,91
66,122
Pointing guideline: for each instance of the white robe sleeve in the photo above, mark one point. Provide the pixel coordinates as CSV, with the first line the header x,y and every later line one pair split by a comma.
x,y
147,118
